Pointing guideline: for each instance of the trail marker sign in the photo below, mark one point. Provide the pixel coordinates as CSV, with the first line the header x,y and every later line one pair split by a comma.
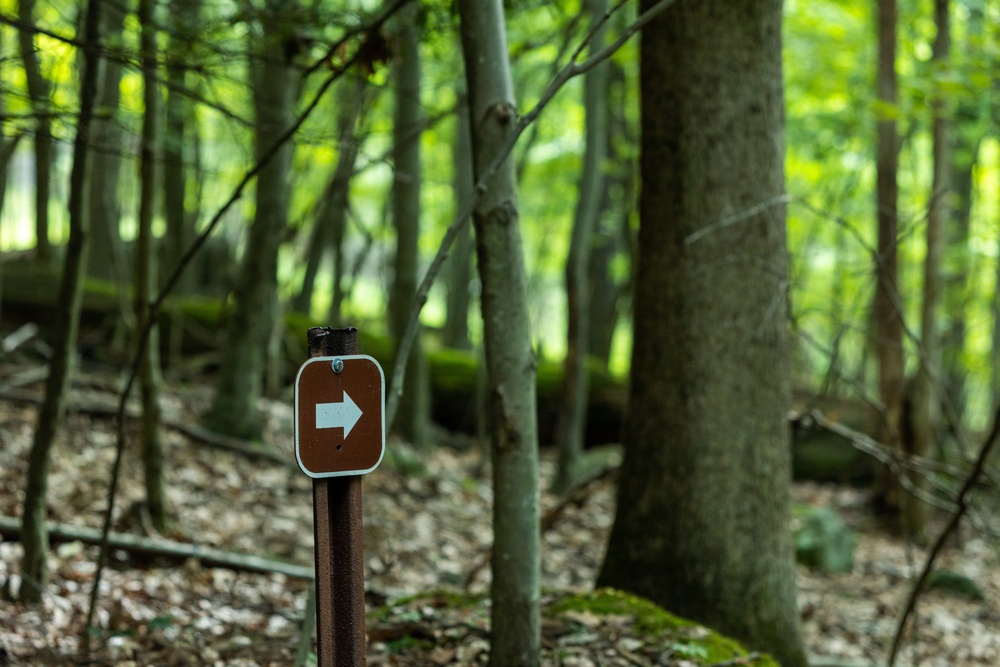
x,y
339,415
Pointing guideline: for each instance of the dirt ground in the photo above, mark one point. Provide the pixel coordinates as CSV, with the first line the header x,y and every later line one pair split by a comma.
x,y
426,528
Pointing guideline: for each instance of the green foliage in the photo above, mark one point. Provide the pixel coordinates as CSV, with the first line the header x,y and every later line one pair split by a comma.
x,y
955,583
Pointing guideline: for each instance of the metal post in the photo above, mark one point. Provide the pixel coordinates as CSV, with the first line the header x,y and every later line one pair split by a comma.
x,y
340,574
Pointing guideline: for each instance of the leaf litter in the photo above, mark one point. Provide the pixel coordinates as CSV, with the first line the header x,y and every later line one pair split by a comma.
x,y
427,536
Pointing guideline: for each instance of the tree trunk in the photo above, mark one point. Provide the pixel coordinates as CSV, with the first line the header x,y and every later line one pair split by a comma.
x,y
516,626
572,415
107,256
332,211
145,276
234,409
184,15
38,91
456,325
7,144
887,306
34,538
966,138
413,414
702,525
924,409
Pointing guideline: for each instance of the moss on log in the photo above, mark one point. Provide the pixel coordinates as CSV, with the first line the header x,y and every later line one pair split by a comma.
x,y
29,292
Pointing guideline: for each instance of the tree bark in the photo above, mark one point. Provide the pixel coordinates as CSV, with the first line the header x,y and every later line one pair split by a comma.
x,y
702,525
886,309
516,626
145,276
34,539
234,409
572,415
38,90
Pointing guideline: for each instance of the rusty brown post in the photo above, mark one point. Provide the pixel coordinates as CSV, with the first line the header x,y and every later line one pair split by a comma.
x,y
340,574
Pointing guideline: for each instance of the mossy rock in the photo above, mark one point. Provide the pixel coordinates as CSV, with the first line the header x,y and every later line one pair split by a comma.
x,y
605,619
658,628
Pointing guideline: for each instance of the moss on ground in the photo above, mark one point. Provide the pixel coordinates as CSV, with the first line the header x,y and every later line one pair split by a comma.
x,y
653,624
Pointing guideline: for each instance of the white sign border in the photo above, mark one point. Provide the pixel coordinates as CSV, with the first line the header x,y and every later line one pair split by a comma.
x,y
329,360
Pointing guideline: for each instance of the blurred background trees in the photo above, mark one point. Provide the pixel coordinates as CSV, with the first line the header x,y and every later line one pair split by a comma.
x,y
892,163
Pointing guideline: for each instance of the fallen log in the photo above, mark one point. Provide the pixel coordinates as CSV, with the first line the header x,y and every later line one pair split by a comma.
x,y
10,528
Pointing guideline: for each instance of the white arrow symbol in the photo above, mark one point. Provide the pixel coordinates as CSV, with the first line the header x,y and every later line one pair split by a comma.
x,y
338,415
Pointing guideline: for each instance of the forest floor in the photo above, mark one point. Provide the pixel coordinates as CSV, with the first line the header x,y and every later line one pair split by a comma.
x,y
427,530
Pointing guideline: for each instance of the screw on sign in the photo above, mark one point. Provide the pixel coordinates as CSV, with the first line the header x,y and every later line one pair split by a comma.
x,y
339,416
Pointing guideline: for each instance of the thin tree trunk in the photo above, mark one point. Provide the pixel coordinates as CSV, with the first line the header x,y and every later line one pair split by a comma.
x,y
38,90
966,138
606,288
573,411
178,116
456,325
7,144
887,304
332,215
107,256
234,408
34,538
924,408
995,357
145,265
414,407
507,336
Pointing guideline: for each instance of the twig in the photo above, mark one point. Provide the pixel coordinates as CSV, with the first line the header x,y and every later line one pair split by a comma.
x,y
158,546
894,459
961,507
572,70
22,335
577,496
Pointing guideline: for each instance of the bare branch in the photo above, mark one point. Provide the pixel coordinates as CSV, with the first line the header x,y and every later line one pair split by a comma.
x,y
569,72
962,503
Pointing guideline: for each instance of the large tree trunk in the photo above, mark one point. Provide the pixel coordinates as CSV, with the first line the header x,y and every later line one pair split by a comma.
x,y
572,415
50,417
234,409
145,276
516,626
414,407
107,258
38,90
887,306
702,525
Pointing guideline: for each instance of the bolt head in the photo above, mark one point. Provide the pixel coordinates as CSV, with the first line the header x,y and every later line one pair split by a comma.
x,y
338,365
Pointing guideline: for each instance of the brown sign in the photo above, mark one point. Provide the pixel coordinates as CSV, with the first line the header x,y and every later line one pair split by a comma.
x,y
339,416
